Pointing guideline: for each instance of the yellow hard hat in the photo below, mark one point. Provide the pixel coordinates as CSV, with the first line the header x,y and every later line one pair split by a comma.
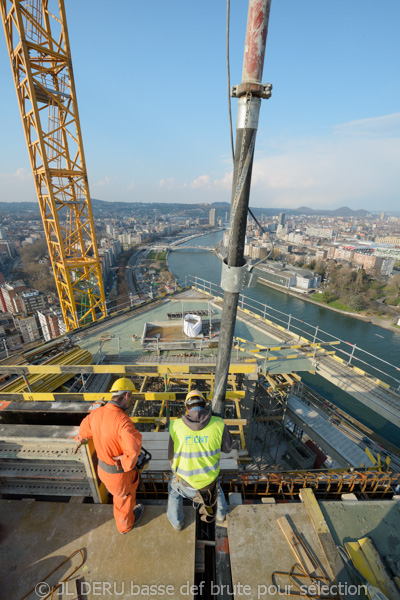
x,y
193,397
123,384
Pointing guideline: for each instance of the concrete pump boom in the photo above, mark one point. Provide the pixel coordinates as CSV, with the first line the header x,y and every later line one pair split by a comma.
x,y
250,92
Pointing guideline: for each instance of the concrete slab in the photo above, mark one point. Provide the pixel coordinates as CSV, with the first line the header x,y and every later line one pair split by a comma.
x,y
378,519
258,548
35,537
120,341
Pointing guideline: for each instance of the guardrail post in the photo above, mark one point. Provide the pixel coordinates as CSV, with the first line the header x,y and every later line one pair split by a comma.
x,y
315,334
352,353
288,325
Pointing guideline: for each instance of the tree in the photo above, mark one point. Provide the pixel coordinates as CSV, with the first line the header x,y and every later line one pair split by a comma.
x,y
395,282
320,267
37,274
340,280
357,302
328,296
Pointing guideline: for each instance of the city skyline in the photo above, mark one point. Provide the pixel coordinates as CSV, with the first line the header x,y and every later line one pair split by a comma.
x,y
154,113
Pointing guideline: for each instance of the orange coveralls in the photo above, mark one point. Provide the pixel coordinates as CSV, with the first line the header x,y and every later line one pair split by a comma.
x,y
114,434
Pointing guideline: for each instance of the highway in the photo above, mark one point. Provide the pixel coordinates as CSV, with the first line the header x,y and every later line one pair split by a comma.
x,y
130,272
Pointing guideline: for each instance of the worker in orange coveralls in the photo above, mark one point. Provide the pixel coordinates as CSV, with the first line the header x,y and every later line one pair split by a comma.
x,y
118,445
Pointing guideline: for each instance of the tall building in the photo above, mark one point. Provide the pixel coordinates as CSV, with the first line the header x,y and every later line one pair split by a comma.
x,y
50,323
28,328
33,300
212,217
11,300
282,219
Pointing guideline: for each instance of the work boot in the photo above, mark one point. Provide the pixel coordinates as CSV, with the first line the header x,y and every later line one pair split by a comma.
x,y
138,513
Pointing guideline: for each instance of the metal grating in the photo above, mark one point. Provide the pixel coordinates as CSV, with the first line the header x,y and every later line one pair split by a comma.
x,y
36,469
44,488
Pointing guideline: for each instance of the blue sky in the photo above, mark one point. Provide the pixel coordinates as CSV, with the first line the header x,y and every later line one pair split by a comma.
x,y
151,86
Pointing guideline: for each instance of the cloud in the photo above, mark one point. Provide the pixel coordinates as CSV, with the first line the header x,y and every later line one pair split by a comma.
x,y
381,127
167,183
103,182
20,174
203,181
356,164
353,164
225,183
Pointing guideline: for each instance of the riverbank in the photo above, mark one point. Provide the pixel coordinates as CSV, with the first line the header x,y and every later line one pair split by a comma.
x,y
388,324
197,235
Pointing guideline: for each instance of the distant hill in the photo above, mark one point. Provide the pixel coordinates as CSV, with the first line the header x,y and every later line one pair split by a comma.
x,y
19,207
160,207
115,208
344,211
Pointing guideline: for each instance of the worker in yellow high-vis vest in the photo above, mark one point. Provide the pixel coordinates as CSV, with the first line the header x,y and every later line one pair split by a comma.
x,y
195,444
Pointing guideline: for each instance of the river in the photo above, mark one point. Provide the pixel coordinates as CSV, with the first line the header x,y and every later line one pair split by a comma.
x,y
373,339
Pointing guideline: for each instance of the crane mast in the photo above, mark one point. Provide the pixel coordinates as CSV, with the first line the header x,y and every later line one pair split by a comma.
x,y
38,45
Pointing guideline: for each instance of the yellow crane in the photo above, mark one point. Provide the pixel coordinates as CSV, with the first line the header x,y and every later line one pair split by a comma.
x,y
38,45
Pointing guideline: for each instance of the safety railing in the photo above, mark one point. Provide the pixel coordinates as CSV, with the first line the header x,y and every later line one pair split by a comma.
x,y
353,355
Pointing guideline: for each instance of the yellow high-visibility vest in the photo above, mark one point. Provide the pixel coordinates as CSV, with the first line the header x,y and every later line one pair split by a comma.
x,y
197,453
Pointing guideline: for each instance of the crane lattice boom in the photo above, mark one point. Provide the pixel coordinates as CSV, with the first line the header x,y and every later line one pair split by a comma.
x,y
38,44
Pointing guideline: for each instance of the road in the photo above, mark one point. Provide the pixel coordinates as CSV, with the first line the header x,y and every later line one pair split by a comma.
x,y
129,272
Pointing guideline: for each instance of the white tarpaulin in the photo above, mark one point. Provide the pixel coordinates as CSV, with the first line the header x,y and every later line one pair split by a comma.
x,y
192,325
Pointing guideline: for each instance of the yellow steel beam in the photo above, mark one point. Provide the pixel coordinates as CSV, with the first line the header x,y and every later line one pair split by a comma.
x,y
241,432
160,414
163,420
6,397
178,370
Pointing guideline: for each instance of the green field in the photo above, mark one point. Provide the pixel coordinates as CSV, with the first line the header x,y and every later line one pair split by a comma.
x,y
339,305
160,256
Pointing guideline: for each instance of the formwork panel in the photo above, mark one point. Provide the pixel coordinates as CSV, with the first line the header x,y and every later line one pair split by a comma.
x,y
258,547
35,537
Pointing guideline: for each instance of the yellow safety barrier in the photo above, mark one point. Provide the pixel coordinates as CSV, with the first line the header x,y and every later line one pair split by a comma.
x,y
383,384
360,371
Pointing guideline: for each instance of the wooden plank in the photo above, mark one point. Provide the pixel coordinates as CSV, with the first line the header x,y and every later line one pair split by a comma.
x,y
296,546
328,546
377,574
